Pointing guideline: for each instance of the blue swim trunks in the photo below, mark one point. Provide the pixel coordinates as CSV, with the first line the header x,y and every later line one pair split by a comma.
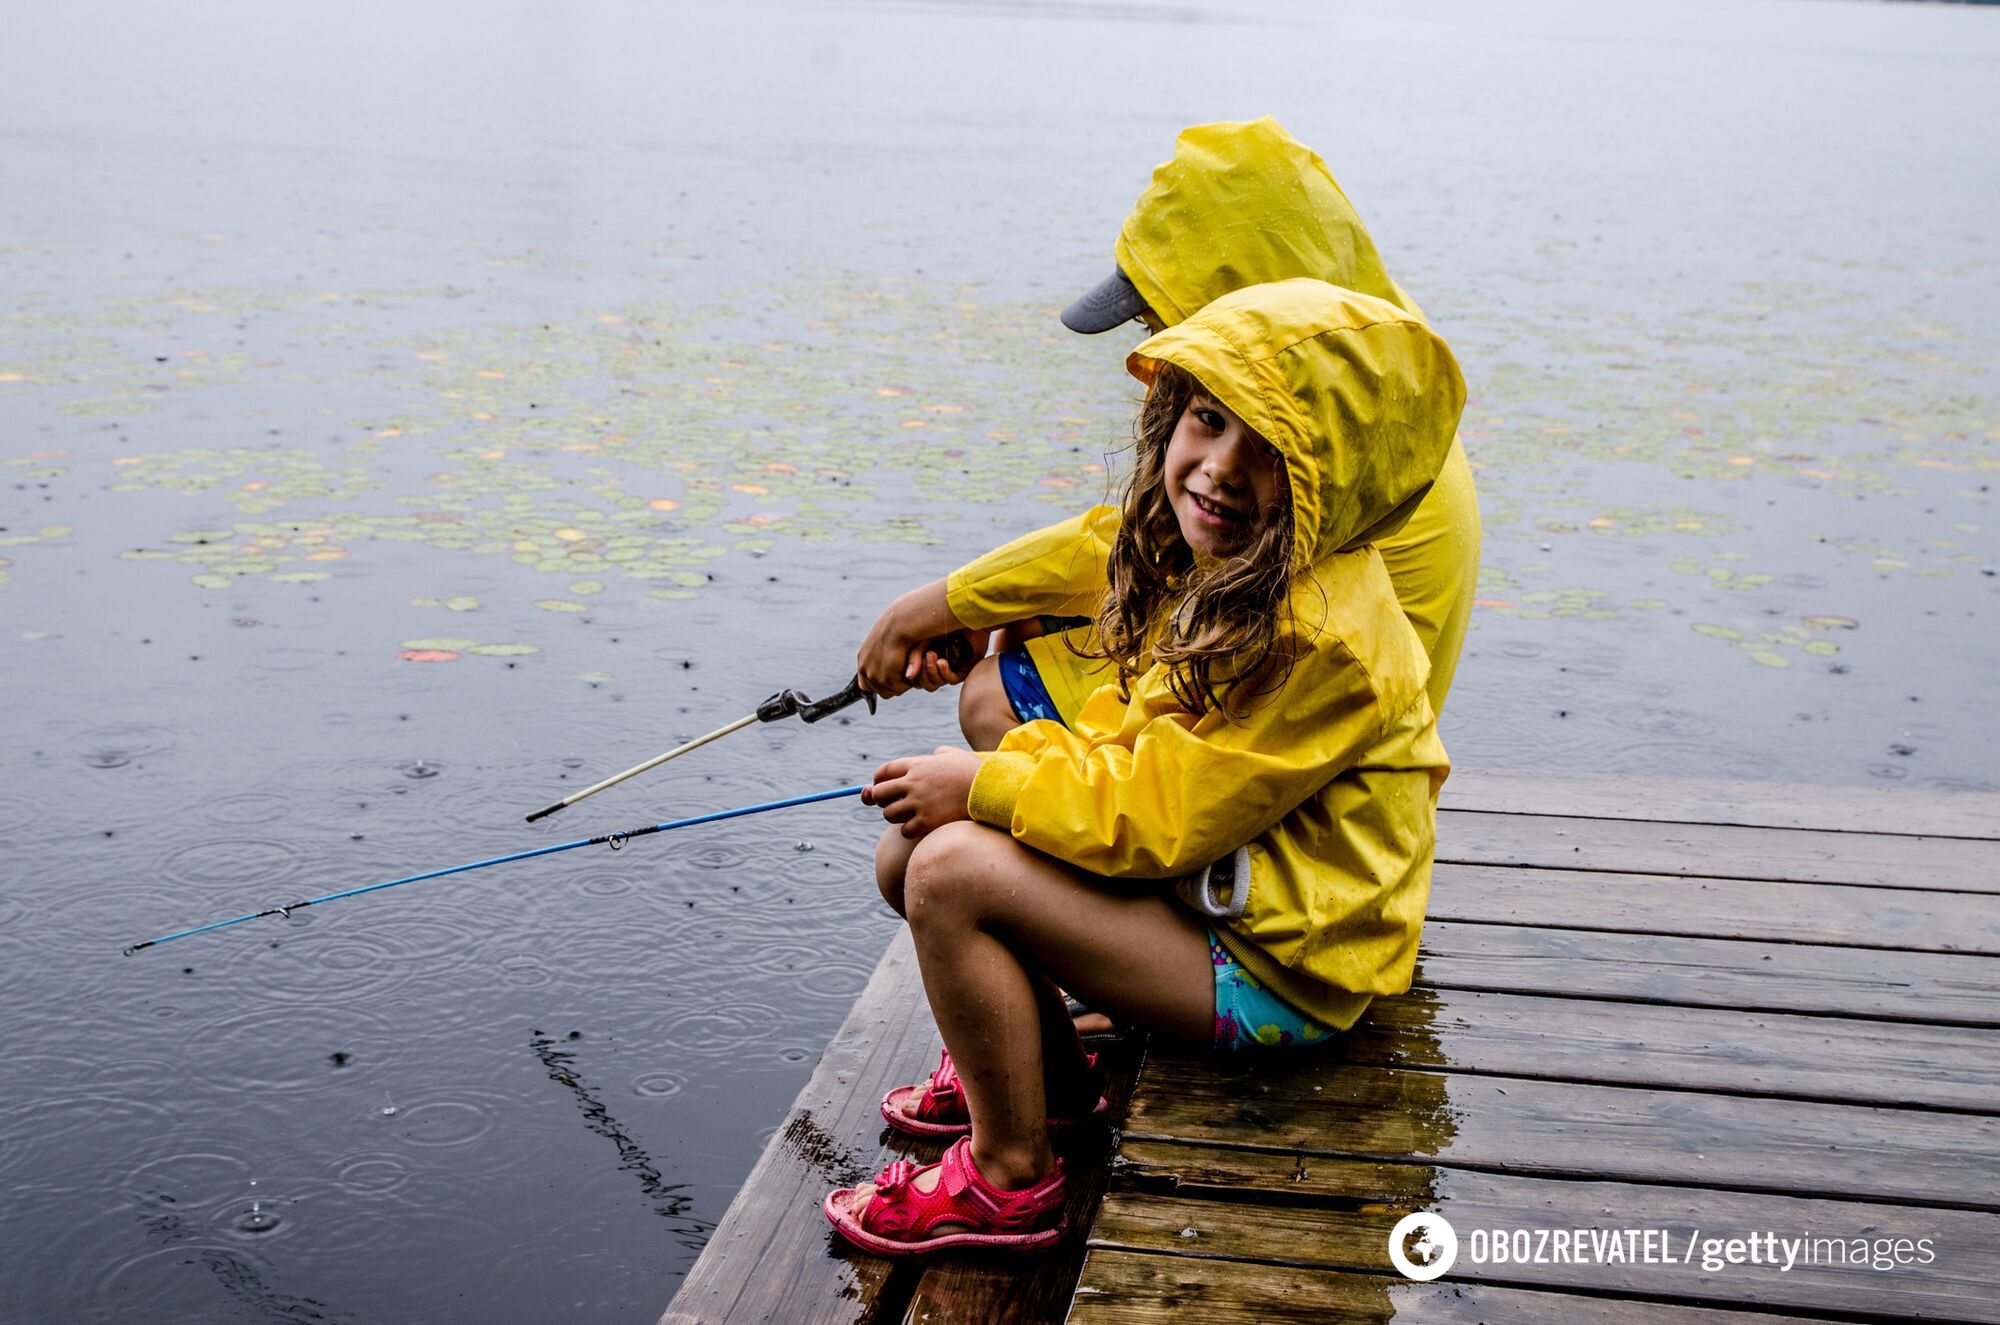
x,y
1249,1016
1024,687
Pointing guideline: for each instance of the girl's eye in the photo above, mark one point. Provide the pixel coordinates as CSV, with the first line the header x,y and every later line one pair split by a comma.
x,y
1210,419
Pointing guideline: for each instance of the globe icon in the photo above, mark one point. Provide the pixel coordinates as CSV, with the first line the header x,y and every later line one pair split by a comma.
x,y
1423,1245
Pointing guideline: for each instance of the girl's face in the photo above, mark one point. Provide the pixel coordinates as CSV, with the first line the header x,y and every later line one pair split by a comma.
x,y
1222,479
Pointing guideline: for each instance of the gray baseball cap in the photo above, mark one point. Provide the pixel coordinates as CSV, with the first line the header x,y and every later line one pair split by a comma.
x,y
1110,302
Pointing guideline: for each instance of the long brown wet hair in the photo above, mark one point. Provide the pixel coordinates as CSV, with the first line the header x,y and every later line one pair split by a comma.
x,y
1220,629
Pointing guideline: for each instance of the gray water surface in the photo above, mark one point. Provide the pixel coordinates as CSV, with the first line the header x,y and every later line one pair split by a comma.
x,y
409,414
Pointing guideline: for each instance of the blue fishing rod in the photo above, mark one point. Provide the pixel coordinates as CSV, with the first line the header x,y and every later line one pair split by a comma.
x,y
613,840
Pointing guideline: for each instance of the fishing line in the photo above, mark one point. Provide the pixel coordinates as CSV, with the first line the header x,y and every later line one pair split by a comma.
x,y
613,840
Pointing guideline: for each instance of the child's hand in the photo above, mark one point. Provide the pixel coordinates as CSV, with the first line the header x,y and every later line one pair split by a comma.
x,y
899,651
923,792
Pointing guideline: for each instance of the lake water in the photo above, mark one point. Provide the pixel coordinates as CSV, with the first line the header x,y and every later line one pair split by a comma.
x,y
413,413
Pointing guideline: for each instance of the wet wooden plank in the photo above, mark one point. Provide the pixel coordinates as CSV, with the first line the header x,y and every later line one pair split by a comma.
x,y
1144,1288
773,1256
1775,854
1755,804
1339,1216
1833,914
1556,1128
1721,973
1636,1044
975,1290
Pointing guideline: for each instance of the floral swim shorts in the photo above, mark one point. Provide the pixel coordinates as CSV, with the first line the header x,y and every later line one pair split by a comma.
x,y
1249,1016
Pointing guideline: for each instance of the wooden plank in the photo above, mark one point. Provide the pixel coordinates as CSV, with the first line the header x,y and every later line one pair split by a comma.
x,y
965,1290
1636,1044
773,1257
1721,973
1786,855
1893,918
1758,804
1339,1215
1141,1288
1565,1129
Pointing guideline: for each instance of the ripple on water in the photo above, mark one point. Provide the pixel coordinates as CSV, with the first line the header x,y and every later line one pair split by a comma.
x,y
118,746
288,1047
359,962
247,807
442,1118
1660,721
371,1173
659,1085
19,812
233,861
197,1179
711,1029
42,1136
835,978
288,659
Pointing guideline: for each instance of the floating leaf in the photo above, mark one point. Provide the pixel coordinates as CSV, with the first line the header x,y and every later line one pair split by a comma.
x,y
462,603
585,588
213,581
503,650
1717,632
559,605
664,504
595,678
428,655
1770,659
298,577
1832,622
434,645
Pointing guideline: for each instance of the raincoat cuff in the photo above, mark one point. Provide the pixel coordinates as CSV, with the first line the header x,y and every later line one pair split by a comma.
x,y
1002,776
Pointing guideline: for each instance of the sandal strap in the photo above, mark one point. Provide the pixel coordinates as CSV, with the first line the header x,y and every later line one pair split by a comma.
x,y
943,1100
962,1196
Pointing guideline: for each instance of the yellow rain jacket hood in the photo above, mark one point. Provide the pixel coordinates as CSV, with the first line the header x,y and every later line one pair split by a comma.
x,y
1240,203
1323,796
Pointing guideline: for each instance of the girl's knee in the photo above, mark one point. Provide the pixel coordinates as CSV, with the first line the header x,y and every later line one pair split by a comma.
x,y
945,871
984,715
892,863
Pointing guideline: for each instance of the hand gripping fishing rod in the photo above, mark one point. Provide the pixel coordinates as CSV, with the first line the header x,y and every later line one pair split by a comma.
x,y
955,648
612,840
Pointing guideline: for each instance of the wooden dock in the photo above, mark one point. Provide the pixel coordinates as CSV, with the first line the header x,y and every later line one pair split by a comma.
x,y
1708,1010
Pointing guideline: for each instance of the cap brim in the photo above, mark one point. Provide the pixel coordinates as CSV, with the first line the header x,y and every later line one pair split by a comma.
x,y
1109,303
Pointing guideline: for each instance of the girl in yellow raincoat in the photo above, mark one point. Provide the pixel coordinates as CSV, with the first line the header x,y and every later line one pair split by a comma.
x,y
1233,842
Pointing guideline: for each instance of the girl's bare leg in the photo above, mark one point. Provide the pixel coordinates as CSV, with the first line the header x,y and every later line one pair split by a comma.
x,y
984,714
994,922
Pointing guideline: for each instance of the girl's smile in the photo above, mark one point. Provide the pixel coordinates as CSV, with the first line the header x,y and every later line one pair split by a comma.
x,y
1221,478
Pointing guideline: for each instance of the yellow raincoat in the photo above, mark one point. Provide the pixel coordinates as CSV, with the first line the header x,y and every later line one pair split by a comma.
x,y
1239,204
1329,785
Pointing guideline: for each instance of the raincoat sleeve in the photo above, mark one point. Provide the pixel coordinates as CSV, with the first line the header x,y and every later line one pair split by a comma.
x,y
1157,797
1058,570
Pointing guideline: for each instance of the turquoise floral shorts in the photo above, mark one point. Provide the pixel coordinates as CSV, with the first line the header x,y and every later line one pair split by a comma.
x,y
1249,1016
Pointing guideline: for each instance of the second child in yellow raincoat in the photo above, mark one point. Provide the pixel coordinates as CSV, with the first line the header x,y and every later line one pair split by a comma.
x,y
1233,843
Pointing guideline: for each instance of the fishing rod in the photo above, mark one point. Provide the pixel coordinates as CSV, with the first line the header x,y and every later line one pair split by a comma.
x,y
613,840
954,648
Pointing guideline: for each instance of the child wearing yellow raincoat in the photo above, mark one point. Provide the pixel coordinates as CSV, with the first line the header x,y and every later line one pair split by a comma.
x,y
1240,203
1230,844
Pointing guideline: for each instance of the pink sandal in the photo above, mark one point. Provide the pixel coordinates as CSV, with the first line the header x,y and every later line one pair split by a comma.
x,y
940,1108
899,1218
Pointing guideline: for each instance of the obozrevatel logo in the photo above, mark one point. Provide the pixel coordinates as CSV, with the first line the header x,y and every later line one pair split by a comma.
x,y
1423,1245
